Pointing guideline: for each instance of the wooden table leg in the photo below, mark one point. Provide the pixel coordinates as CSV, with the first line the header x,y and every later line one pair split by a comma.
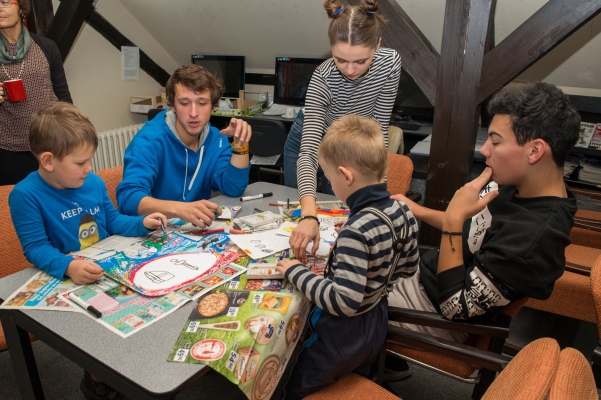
x,y
23,360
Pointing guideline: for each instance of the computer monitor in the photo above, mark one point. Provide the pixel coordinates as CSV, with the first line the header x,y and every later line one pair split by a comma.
x,y
411,101
230,69
292,77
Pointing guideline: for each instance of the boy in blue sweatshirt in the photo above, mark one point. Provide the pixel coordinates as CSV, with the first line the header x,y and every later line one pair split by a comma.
x,y
177,158
62,207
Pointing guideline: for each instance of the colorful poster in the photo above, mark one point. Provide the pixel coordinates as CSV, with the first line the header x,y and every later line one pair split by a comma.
x,y
159,264
125,311
595,142
246,335
42,292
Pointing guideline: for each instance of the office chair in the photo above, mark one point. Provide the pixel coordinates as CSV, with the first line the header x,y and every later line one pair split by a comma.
x,y
398,176
112,177
153,112
596,292
574,379
571,295
268,139
353,387
476,361
12,258
396,142
529,375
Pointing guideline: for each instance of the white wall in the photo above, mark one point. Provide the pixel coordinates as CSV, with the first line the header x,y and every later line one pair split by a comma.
x,y
93,69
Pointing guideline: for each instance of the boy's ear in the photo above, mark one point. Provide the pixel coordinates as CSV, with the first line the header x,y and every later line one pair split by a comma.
x,y
538,148
47,161
348,175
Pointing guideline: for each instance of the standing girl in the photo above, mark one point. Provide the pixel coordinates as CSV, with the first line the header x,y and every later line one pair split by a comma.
x,y
361,78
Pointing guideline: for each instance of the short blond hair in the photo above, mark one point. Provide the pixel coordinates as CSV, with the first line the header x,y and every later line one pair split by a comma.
x,y
61,129
356,142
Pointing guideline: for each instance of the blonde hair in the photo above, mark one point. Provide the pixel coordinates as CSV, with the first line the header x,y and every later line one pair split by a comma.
x,y
60,129
355,25
356,142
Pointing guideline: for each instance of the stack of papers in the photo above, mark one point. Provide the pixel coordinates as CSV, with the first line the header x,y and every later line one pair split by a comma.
x,y
423,148
280,109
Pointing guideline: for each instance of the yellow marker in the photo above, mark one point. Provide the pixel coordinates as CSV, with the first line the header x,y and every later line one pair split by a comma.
x,y
227,222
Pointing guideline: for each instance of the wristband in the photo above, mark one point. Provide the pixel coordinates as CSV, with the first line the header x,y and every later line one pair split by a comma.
x,y
309,217
451,237
239,153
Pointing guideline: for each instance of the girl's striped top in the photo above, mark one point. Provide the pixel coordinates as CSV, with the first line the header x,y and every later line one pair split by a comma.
x,y
331,95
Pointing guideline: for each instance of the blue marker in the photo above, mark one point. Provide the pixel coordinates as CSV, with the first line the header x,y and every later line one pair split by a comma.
x,y
162,226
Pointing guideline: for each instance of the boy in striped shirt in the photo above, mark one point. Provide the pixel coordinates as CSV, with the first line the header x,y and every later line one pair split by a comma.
x,y
349,322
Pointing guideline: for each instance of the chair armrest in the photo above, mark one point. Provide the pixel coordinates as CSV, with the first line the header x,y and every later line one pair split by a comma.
x,y
577,269
498,329
413,196
425,248
596,358
589,224
459,351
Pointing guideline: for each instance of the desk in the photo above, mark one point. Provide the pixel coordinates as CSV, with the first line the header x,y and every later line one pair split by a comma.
x,y
137,366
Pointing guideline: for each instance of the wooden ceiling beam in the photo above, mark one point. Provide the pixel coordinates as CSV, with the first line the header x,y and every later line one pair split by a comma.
x,y
549,26
419,57
456,110
112,34
68,20
41,16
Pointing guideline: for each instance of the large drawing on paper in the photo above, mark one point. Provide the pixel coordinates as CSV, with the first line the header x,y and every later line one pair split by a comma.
x,y
161,264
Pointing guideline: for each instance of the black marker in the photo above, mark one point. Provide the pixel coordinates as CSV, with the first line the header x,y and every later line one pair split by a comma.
x,y
258,196
84,305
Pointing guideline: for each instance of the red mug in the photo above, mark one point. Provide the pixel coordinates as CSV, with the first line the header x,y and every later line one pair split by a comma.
x,y
15,91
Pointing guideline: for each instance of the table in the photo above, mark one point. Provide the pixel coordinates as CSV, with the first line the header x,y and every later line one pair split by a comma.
x,y
136,366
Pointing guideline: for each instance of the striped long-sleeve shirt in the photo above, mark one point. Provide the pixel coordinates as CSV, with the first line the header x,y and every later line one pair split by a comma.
x,y
361,257
331,95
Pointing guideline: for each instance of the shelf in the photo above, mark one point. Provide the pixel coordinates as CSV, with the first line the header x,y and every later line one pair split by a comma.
x,y
586,151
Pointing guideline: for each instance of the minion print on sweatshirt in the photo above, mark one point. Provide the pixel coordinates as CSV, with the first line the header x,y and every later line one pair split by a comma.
x,y
88,231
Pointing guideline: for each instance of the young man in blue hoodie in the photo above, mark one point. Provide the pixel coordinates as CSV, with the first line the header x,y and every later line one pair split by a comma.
x,y
177,158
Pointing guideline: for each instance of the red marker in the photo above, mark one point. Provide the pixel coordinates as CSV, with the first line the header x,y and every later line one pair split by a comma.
x,y
213,231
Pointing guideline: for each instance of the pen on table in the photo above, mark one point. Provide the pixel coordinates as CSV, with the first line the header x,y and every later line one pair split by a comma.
x,y
162,226
288,202
239,231
84,305
258,196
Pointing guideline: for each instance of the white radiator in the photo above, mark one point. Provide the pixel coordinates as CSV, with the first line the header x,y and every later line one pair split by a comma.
x,y
112,145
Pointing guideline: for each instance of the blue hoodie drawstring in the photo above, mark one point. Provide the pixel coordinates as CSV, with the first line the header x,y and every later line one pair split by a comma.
x,y
202,149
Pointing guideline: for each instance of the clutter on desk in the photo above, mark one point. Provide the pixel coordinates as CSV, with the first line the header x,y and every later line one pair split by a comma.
x,y
241,106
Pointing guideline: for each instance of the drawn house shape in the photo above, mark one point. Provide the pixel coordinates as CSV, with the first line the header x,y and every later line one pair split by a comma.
x,y
159,277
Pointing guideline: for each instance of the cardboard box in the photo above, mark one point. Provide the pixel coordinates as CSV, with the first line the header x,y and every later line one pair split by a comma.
x,y
142,104
243,107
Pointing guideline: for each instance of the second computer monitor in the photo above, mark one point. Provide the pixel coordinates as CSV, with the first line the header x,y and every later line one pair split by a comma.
x,y
292,77
230,69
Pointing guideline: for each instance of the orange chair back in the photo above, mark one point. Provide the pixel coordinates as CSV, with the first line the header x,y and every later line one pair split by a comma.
x,y
529,375
574,379
596,290
398,176
12,258
112,177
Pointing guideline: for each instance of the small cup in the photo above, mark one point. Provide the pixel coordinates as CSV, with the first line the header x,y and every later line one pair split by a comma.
x,y
289,112
15,91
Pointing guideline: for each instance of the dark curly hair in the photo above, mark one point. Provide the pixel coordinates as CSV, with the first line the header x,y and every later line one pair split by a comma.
x,y
539,110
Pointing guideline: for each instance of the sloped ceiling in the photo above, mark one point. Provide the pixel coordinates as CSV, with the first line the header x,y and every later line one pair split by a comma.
x,y
264,29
